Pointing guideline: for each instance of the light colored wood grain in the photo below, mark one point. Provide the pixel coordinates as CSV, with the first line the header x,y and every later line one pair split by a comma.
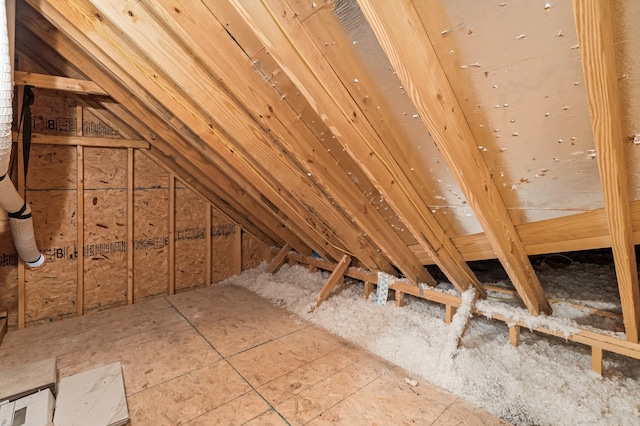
x,y
208,257
416,63
80,221
42,139
238,249
596,359
278,260
227,132
368,288
449,312
130,259
594,24
290,45
52,82
172,234
180,150
514,335
333,280
22,297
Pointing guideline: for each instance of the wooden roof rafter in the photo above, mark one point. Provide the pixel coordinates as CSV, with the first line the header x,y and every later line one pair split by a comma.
x,y
178,150
271,188
276,25
594,25
279,117
409,49
221,158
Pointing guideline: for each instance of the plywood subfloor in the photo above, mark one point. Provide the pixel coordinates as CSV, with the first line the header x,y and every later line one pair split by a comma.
x,y
224,355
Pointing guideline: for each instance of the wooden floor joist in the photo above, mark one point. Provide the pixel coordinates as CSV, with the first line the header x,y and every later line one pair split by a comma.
x,y
334,279
594,24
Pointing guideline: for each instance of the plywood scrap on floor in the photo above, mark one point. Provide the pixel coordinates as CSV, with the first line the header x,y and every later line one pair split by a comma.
x,y
26,378
335,277
95,397
277,261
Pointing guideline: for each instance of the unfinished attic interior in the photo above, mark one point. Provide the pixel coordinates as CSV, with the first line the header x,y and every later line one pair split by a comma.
x,y
188,165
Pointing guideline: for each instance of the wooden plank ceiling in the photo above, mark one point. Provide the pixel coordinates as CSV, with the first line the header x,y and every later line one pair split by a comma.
x,y
368,128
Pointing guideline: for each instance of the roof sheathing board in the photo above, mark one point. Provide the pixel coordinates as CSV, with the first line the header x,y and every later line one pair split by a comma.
x,y
516,71
390,110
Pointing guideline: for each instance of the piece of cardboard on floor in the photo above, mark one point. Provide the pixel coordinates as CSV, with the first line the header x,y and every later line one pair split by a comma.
x,y
24,379
92,398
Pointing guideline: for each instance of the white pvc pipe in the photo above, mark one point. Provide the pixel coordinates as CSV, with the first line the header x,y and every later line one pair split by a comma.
x,y
10,201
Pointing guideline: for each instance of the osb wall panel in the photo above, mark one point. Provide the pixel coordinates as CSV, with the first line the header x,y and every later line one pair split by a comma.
x,y
223,239
51,291
93,127
51,191
190,238
105,227
254,252
8,271
151,227
52,113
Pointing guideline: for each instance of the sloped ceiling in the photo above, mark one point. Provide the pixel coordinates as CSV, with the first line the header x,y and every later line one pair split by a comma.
x,y
399,133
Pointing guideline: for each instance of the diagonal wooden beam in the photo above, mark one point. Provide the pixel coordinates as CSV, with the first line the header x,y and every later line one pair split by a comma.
x,y
167,128
277,261
408,47
253,90
333,279
277,26
594,25
53,82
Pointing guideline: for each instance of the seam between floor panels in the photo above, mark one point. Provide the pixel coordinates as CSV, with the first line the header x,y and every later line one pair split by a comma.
x,y
225,359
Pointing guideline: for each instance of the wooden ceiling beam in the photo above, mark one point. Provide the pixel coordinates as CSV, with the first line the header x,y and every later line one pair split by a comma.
x,y
53,82
594,25
136,93
170,140
276,24
408,47
251,143
229,61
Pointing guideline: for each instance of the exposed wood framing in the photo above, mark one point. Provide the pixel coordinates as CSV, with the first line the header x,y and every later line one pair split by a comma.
x,y
514,335
238,249
57,83
4,319
251,214
208,251
277,261
130,189
368,288
413,57
333,280
284,122
176,87
583,336
42,139
172,234
449,312
22,296
277,26
594,24
80,217
596,359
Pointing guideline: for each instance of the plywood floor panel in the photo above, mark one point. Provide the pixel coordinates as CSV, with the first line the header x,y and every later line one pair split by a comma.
x,y
223,355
